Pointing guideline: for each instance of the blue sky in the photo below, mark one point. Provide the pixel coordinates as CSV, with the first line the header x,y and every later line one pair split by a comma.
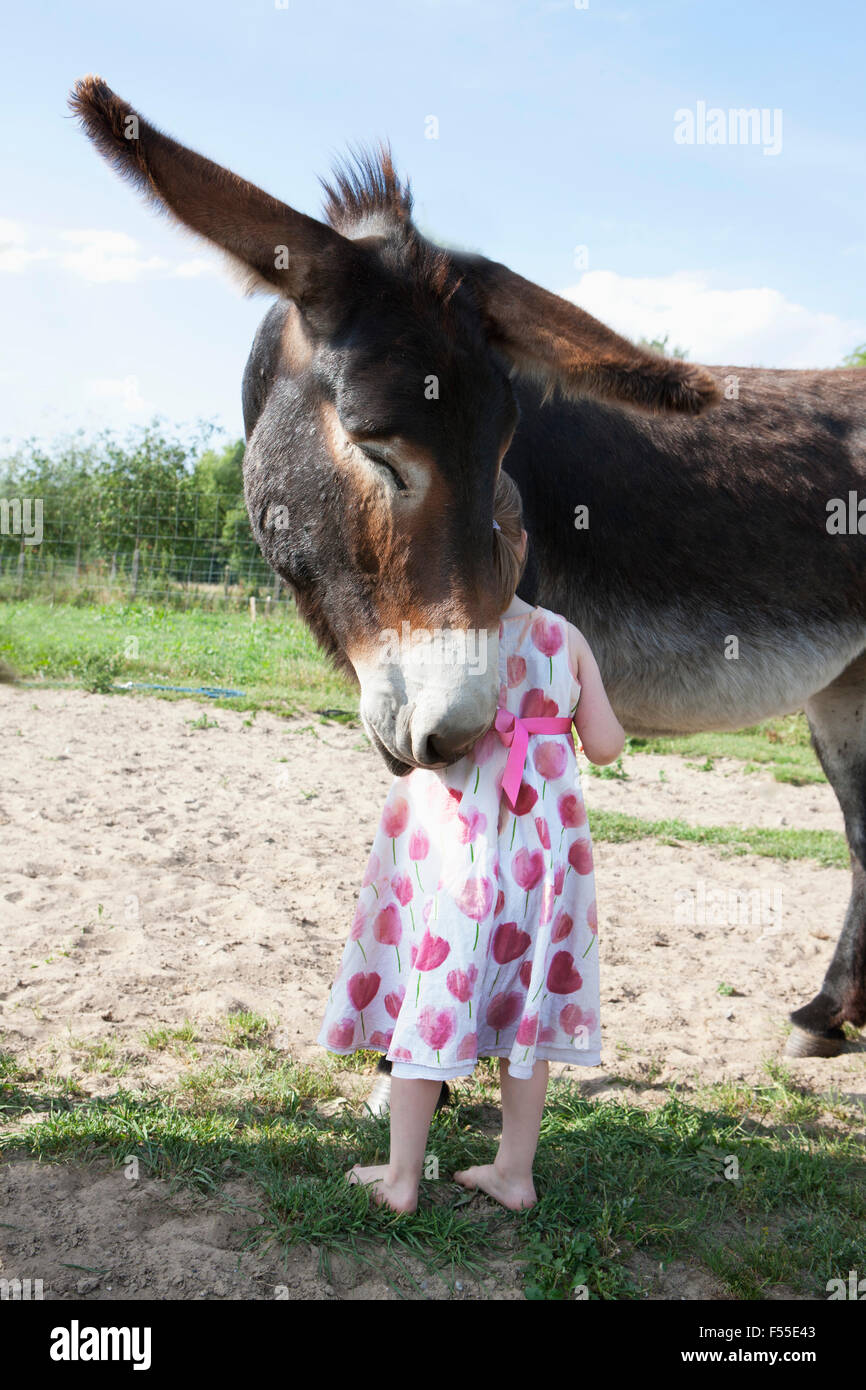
x,y
555,132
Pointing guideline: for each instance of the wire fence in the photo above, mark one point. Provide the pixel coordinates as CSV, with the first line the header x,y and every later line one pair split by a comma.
x,y
181,549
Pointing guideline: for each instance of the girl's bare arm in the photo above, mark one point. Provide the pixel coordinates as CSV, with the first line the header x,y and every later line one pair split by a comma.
x,y
599,730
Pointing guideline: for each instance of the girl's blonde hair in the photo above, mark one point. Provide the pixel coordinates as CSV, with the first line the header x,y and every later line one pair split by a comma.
x,y
509,565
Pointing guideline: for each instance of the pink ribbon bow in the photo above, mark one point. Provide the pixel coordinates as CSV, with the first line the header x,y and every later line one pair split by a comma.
x,y
514,733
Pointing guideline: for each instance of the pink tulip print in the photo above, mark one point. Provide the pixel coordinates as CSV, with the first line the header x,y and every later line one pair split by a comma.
x,y
401,887
381,1040
550,760
394,1001
371,873
419,848
358,927
527,1032
395,818
547,637
580,856
468,1047
592,918
461,983
502,1011
526,870
341,1035
471,824
509,943
428,956
572,812
526,799
516,671
436,1027
362,990
563,976
543,831
475,899
573,1017
536,705
388,929
562,926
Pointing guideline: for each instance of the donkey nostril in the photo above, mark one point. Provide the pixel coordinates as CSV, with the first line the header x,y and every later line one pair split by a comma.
x,y
434,754
440,752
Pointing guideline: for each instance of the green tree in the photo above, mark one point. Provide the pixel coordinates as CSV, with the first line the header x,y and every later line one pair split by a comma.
x,y
660,345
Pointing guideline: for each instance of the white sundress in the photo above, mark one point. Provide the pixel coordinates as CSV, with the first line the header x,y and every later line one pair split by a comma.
x,y
475,933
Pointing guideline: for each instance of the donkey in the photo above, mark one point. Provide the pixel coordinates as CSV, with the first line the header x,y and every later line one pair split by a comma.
x,y
390,382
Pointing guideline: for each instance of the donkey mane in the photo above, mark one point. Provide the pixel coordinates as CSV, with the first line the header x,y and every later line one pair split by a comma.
x,y
366,198
365,187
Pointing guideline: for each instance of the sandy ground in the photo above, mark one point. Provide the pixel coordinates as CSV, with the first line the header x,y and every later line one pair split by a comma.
x,y
154,872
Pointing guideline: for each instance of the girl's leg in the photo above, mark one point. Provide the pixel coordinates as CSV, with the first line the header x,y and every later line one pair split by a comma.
x,y
413,1101
509,1177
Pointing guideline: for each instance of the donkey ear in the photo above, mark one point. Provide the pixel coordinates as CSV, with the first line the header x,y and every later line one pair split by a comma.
x,y
560,345
273,247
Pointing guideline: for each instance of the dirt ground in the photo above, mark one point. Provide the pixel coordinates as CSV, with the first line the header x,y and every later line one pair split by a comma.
x,y
154,872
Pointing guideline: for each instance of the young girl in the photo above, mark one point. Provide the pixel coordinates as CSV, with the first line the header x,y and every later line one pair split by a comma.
x,y
475,933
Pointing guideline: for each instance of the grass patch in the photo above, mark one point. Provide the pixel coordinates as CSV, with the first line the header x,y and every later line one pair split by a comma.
x,y
276,663
783,743
828,847
751,1183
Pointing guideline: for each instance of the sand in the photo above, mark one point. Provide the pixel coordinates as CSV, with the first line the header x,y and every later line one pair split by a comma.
x,y
154,872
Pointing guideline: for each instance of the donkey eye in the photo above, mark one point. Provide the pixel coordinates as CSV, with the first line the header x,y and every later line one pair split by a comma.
x,y
381,462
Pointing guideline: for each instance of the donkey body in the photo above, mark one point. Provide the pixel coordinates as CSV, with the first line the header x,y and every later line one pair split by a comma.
x,y
690,544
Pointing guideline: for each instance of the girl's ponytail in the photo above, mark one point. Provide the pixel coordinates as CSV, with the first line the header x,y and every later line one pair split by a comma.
x,y
507,538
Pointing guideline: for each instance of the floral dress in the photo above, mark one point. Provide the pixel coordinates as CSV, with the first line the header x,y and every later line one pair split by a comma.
x,y
475,933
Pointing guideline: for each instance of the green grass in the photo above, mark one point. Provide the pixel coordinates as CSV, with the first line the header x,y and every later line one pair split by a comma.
x,y
784,743
754,1184
276,663
828,847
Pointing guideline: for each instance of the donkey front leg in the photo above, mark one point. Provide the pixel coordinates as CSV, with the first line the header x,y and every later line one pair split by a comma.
x,y
379,1100
837,718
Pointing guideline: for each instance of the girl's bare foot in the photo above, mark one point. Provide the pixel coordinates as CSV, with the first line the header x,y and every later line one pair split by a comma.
x,y
514,1193
397,1196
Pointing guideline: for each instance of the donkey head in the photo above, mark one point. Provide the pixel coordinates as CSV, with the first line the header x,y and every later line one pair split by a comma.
x,y
378,409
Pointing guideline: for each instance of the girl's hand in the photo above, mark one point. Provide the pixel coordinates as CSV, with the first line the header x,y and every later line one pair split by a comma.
x,y
601,735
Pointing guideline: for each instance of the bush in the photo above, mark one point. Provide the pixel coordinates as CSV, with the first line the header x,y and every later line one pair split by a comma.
x,y
98,671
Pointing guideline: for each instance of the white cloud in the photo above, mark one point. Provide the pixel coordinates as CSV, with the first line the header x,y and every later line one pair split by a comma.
x,y
101,256
98,256
14,255
200,265
746,327
122,390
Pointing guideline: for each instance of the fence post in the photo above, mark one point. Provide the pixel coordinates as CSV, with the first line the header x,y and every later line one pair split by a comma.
x,y
226,573
21,570
252,608
134,584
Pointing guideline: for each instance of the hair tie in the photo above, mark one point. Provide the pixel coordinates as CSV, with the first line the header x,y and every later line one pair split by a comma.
x,y
496,525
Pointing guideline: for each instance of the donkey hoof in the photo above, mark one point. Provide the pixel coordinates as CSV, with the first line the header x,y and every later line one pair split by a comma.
x,y
803,1044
